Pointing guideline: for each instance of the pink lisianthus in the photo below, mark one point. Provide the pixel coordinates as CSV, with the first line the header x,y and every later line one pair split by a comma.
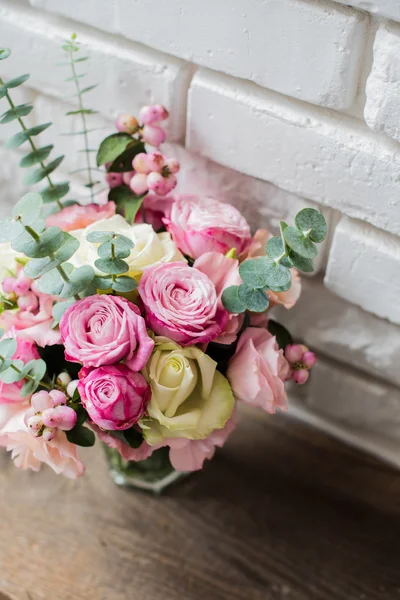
x,y
181,303
114,396
34,324
189,455
258,370
223,272
78,217
10,392
102,330
200,225
127,453
29,452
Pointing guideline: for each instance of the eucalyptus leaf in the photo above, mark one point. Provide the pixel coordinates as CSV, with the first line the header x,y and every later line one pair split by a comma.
x,y
78,280
59,308
52,282
299,243
274,247
28,208
10,229
124,284
4,53
105,251
36,156
102,283
263,272
8,347
49,241
22,110
22,136
5,364
255,300
17,81
51,193
231,301
112,266
111,147
98,237
302,264
310,219
11,375
39,174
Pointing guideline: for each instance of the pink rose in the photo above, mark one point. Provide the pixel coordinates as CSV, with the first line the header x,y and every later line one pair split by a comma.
x,y
78,217
10,392
30,452
223,272
200,225
258,370
181,303
114,396
102,330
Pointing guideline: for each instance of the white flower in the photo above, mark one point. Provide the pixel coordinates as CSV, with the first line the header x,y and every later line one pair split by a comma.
x,y
150,248
8,266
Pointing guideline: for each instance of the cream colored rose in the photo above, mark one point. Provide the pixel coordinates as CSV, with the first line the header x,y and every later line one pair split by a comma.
x,y
8,264
150,248
190,398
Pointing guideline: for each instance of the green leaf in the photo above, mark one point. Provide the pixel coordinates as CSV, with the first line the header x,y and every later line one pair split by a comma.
x,y
60,307
22,136
37,371
112,266
8,347
10,229
263,272
36,156
51,282
82,111
39,174
17,81
124,284
27,210
275,247
105,251
4,53
312,221
98,237
301,244
127,202
39,266
49,241
133,437
255,300
3,91
5,364
121,242
79,280
231,301
302,264
88,89
22,110
55,192
81,436
102,283
282,335
12,375
111,147
123,162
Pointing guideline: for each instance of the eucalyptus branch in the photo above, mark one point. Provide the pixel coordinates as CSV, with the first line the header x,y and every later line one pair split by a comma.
x,y
29,377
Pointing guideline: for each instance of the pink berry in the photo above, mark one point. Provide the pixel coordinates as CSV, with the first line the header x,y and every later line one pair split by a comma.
x,y
309,359
127,176
58,396
152,114
62,417
293,353
34,424
28,302
49,434
41,400
170,183
8,284
157,183
71,387
173,165
156,161
300,376
50,417
114,179
127,124
153,135
141,163
22,285
138,184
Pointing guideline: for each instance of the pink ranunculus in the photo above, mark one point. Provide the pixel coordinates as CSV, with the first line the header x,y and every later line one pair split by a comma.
x,y
223,272
200,225
10,392
30,452
155,209
78,217
103,330
34,325
258,370
189,455
114,396
182,304
127,453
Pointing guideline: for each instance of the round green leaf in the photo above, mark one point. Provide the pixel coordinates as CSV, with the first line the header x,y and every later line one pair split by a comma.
x,y
122,242
299,243
252,273
49,241
102,283
124,284
255,300
11,375
17,81
51,282
27,210
112,266
39,266
105,251
302,264
10,229
5,364
8,346
60,307
51,193
36,156
274,247
98,237
231,301
310,219
79,280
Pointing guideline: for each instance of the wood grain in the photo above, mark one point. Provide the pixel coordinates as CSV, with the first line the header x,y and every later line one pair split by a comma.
x,y
281,513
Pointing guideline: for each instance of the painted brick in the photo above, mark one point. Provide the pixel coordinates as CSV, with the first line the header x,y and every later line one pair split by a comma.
x,y
382,108
11,185
315,153
386,8
129,75
309,50
364,266
262,203
353,398
344,332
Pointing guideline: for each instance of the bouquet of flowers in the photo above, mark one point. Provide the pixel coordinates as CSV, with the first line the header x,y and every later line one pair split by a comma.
x,y
142,317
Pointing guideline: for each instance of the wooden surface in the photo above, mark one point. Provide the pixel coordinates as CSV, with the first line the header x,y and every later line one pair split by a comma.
x,y
281,513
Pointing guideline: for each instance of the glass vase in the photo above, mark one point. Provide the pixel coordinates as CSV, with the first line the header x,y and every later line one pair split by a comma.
x,y
154,474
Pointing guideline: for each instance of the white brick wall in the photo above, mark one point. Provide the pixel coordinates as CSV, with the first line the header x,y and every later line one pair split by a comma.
x,y
290,103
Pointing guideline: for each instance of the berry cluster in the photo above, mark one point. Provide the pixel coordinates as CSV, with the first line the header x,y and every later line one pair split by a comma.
x,y
49,413
301,360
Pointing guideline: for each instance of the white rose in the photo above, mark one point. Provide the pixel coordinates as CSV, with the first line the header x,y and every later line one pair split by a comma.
x,y
150,248
8,264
